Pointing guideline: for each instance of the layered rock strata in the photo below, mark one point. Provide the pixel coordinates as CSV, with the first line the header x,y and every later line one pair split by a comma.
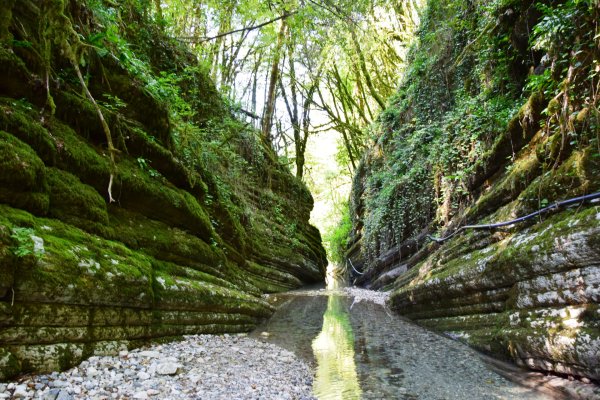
x,y
475,138
198,230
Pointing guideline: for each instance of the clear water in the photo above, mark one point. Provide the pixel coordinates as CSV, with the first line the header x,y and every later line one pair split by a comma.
x,y
361,351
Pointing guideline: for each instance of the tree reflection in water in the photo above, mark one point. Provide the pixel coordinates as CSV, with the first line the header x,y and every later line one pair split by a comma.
x,y
333,348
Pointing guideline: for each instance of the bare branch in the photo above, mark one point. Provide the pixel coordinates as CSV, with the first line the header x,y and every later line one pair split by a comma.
x,y
193,39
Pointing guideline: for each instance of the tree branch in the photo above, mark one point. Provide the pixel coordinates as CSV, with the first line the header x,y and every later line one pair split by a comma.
x,y
192,39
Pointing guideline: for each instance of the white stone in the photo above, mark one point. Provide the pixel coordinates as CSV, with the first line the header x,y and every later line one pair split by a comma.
x,y
143,375
150,354
140,395
168,368
38,245
20,392
162,282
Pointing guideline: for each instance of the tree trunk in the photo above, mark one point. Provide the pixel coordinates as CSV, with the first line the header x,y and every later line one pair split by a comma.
x,y
271,93
159,13
363,67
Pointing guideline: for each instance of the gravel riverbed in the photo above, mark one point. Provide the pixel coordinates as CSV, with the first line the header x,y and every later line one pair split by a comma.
x,y
386,357
199,367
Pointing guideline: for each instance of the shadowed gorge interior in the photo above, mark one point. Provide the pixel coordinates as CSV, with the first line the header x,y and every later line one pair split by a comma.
x,y
171,168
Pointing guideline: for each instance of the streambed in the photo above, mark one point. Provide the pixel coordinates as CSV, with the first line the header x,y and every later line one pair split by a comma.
x,y
360,350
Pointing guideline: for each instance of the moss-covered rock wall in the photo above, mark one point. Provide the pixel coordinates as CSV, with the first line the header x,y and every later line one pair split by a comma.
x,y
204,218
498,116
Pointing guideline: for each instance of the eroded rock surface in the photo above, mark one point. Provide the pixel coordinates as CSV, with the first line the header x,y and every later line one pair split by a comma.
x,y
458,147
204,218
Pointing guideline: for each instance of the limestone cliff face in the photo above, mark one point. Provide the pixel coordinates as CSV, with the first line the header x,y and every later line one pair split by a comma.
x,y
204,220
498,117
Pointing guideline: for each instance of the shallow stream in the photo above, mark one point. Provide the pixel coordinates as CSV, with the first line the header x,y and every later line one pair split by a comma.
x,y
362,351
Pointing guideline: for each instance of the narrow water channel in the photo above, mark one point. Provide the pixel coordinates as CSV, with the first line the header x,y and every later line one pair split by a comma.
x,y
362,351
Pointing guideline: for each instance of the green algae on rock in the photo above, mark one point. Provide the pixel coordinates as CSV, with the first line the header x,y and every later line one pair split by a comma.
x,y
478,133
183,249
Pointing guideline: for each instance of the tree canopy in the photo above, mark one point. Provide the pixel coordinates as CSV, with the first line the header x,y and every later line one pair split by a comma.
x,y
295,68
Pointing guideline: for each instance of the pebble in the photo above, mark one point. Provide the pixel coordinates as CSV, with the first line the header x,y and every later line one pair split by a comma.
x,y
64,395
142,376
201,366
150,353
168,368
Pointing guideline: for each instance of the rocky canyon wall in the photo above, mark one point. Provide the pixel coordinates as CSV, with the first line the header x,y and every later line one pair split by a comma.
x,y
497,117
204,218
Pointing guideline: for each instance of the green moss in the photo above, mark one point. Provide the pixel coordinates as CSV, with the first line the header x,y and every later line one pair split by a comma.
x,y
175,270
22,176
6,261
89,269
81,115
15,75
9,365
183,293
76,203
5,21
502,264
79,157
21,119
270,280
164,242
576,176
517,178
157,199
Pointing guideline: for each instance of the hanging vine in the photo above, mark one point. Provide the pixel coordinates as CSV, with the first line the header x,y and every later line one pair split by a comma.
x,y
58,31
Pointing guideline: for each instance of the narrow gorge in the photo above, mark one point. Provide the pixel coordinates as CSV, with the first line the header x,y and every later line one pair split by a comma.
x,y
181,179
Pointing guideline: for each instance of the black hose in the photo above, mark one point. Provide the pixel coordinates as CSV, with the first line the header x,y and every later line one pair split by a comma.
x,y
555,206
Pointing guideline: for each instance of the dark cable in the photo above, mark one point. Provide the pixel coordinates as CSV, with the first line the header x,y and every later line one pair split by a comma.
x,y
352,265
555,206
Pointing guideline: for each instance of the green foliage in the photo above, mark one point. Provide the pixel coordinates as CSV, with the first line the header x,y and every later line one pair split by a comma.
x,y
336,240
24,245
560,23
112,102
145,166
468,74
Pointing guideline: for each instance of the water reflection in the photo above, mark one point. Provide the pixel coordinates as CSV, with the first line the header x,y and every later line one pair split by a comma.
x,y
333,348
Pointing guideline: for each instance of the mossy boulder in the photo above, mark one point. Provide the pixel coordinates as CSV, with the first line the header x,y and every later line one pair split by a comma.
x,y
76,203
22,176
9,364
